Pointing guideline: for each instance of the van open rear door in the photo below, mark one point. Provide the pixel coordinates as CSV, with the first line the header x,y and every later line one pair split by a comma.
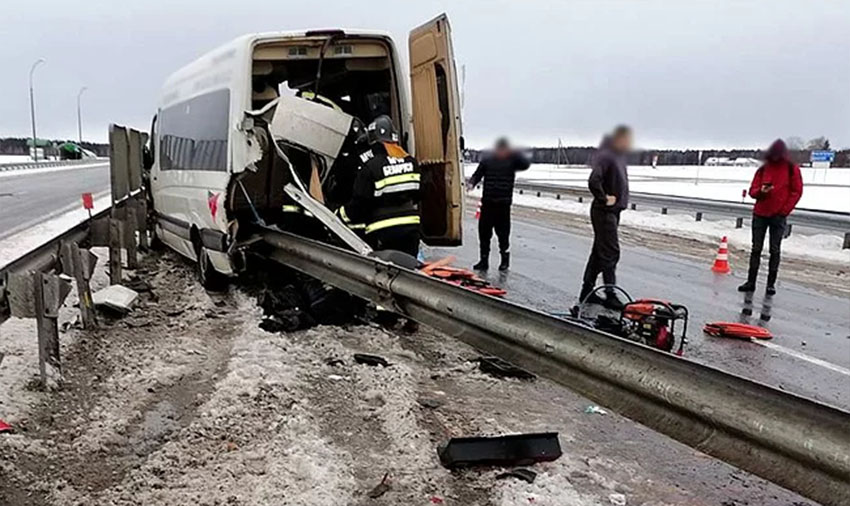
x,y
437,131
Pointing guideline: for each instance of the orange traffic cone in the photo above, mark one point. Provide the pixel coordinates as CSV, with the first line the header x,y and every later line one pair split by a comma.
x,y
478,210
721,262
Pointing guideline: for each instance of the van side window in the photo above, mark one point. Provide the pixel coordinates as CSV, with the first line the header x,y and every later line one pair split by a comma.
x,y
193,133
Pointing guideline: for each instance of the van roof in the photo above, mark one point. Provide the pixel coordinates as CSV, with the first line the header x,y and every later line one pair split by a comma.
x,y
243,43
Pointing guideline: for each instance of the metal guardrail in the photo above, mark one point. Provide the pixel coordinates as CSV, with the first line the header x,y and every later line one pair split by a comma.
x,y
824,220
43,165
793,441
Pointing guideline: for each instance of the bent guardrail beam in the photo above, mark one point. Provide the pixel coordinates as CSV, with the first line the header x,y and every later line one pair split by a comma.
x,y
795,442
824,220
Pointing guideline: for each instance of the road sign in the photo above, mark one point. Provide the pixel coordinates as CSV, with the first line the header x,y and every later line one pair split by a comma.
x,y
823,156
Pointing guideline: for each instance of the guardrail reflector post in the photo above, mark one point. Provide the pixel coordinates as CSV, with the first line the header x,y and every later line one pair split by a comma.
x,y
557,196
846,241
634,207
699,216
580,200
739,222
663,210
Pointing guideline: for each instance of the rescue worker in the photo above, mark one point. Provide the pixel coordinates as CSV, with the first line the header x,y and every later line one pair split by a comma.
x,y
498,171
609,184
386,193
777,187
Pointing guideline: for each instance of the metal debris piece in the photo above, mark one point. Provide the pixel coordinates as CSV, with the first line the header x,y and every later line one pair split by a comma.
x,y
593,409
430,403
373,360
513,450
523,474
116,297
499,368
381,488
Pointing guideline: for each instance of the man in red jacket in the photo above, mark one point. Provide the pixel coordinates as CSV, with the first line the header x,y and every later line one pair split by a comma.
x,y
777,187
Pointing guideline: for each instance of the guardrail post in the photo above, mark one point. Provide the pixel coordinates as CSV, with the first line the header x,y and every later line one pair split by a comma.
x,y
663,210
115,237
580,200
50,291
129,237
739,222
699,216
520,191
787,231
557,196
80,263
634,207
142,222
846,241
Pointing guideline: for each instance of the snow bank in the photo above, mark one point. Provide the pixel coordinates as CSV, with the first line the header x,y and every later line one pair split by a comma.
x,y
824,189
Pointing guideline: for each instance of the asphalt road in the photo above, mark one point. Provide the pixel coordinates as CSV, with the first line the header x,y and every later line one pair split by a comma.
x,y
809,355
30,197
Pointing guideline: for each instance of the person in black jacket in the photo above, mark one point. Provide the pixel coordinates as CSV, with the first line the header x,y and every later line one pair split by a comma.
x,y
385,200
498,171
609,184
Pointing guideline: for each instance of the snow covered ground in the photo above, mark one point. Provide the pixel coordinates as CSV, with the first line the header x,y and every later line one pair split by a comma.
x,y
824,189
14,159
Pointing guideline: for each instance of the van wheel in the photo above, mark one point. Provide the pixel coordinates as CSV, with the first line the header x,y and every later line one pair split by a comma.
x,y
210,279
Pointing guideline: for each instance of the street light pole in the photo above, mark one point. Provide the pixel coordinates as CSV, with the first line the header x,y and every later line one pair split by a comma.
x,y
32,110
80,118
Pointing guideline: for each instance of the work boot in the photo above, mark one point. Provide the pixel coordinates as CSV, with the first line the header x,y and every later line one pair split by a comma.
x,y
482,264
770,290
613,301
749,286
506,262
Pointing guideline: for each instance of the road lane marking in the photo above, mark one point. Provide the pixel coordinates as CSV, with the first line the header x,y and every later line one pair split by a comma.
x,y
803,356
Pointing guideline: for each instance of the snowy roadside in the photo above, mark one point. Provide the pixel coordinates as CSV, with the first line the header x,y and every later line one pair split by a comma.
x,y
187,402
819,247
28,236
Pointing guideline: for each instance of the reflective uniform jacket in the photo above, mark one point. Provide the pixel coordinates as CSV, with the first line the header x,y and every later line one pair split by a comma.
x,y
386,190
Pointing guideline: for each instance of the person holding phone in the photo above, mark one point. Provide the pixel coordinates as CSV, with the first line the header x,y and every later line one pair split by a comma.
x,y
777,187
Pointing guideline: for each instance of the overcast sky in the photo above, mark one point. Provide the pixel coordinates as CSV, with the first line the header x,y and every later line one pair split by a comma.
x,y
682,73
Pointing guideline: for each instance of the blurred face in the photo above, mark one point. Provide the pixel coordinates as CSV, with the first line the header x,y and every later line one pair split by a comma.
x,y
623,142
502,148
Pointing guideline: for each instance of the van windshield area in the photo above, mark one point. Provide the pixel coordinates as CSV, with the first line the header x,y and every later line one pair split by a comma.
x,y
352,75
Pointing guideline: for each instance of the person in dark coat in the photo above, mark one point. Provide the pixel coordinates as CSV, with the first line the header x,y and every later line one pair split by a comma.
x,y
498,171
777,187
609,184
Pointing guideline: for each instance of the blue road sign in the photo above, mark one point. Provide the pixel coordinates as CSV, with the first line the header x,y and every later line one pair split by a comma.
x,y
823,156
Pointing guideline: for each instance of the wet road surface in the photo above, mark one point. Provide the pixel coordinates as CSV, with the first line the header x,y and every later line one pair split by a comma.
x,y
809,355
30,197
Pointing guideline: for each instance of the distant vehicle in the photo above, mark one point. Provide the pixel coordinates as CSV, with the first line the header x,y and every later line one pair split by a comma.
x,y
214,169
722,161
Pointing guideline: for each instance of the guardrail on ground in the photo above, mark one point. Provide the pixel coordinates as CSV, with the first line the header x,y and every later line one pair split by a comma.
x,y
795,442
823,220
43,165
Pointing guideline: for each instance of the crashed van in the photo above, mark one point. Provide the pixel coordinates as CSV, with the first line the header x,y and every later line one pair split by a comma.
x,y
263,128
